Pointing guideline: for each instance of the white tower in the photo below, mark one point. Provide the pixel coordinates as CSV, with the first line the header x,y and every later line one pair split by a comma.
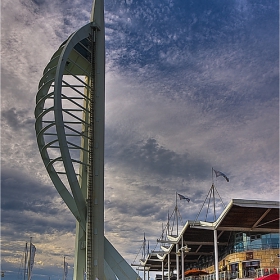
x,y
70,115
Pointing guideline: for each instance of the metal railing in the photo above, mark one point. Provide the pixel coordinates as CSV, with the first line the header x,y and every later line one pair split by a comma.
x,y
266,271
224,275
228,275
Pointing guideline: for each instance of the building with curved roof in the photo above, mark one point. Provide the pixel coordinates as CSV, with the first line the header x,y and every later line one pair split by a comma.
x,y
242,243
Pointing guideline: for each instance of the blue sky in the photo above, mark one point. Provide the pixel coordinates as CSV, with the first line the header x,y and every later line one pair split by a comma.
x,y
190,85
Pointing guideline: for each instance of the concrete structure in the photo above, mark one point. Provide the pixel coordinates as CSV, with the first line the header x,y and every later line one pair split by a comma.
x,y
70,110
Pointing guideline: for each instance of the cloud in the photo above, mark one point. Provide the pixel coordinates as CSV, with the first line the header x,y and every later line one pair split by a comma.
x,y
30,203
188,87
32,209
148,157
15,119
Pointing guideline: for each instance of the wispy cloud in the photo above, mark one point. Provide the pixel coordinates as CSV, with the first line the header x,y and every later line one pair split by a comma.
x,y
189,87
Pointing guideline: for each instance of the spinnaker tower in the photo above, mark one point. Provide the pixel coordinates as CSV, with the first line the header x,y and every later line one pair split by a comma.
x,y
70,117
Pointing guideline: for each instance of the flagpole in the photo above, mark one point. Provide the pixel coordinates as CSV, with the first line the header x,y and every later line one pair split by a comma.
x,y
177,260
219,196
25,261
63,267
144,246
176,210
144,251
29,262
168,222
213,189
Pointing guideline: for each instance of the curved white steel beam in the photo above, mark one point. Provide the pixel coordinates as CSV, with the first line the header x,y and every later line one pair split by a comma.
x,y
74,39
69,112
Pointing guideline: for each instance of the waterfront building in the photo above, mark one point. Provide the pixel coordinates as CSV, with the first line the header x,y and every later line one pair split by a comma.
x,y
242,243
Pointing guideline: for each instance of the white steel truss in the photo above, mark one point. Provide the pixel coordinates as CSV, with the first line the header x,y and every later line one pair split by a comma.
x,y
70,109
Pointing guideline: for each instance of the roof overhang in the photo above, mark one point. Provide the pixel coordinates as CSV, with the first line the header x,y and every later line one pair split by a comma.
x,y
239,216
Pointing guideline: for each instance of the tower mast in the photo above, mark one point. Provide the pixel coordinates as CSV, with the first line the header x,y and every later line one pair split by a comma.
x,y
70,117
95,188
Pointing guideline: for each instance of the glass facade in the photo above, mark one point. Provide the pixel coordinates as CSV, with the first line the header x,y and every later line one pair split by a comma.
x,y
244,241
241,242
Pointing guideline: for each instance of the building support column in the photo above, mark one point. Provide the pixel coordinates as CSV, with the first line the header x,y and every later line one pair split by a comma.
x,y
216,255
162,270
183,260
169,266
177,260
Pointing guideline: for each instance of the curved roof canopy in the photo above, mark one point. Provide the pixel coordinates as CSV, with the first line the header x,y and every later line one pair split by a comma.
x,y
239,216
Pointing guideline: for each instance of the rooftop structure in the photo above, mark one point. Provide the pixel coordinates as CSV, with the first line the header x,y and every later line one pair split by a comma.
x,y
245,227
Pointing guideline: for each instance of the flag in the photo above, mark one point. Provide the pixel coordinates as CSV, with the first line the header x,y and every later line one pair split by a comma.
x,y
219,173
183,197
32,256
144,247
31,260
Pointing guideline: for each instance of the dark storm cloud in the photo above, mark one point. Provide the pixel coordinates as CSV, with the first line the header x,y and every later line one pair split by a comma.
x,y
151,190
29,206
17,119
143,209
14,181
151,158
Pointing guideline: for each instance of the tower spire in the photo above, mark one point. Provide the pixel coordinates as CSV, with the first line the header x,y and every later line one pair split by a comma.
x,y
97,12
71,102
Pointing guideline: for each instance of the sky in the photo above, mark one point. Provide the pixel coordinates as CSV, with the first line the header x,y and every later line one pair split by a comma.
x,y
190,86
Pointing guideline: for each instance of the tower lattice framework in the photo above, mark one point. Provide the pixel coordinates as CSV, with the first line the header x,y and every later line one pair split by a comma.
x,y
70,116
